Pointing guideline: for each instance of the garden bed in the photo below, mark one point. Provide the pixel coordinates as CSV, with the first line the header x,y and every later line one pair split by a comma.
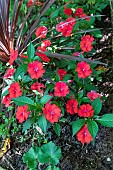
x,y
98,155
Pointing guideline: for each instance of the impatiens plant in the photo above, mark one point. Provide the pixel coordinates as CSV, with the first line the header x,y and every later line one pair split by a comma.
x,y
44,86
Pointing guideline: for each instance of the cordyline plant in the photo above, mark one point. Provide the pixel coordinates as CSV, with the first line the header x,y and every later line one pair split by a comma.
x,y
45,89
9,26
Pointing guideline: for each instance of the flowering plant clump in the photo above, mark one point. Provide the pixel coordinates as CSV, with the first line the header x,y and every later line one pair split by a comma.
x,y
44,86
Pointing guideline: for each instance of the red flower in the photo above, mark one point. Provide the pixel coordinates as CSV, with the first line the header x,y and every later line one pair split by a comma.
x,y
41,32
86,43
35,69
66,32
68,11
83,135
30,2
52,112
23,56
45,43
13,56
61,73
43,56
83,69
78,12
37,86
83,16
71,21
60,26
64,28
85,110
6,100
14,90
72,106
76,54
87,38
9,73
40,49
61,89
22,113
93,95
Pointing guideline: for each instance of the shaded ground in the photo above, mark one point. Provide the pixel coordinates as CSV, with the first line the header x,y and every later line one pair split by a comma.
x,y
75,156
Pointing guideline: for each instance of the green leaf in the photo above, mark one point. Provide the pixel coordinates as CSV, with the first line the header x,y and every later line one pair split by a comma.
x,y
31,51
97,105
49,153
92,128
22,69
5,91
77,125
30,157
45,99
80,94
86,100
52,168
26,125
21,101
57,129
43,124
106,120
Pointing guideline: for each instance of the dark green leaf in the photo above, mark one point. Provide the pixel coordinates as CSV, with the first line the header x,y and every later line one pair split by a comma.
x,y
45,99
86,100
80,94
77,125
97,105
57,129
30,157
31,51
92,128
43,124
20,101
22,69
106,120
49,153
52,168
26,125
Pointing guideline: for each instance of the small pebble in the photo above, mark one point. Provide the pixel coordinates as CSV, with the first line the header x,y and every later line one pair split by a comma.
x,y
108,159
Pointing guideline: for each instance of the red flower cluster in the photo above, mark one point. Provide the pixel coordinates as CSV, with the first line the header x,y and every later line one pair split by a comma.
x,y
86,43
37,86
70,21
68,11
83,135
51,112
13,56
85,110
30,2
66,27
83,69
40,49
61,89
43,56
41,32
72,106
9,73
45,43
92,95
22,113
23,56
35,69
79,13
61,73
6,100
14,90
